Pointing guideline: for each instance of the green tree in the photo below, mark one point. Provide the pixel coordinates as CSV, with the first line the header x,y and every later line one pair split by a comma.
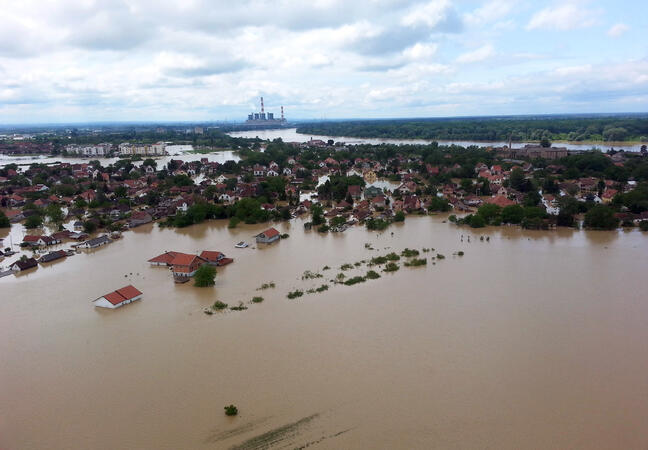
x,y
601,217
399,216
89,226
33,221
512,214
489,212
205,276
54,213
517,180
4,220
317,213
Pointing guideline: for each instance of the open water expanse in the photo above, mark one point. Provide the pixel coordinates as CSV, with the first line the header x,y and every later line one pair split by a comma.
x,y
533,339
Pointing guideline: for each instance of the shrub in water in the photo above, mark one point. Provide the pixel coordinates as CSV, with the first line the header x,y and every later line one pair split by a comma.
x,y
416,262
408,253
372,275
391,267
231,410
219,305
295,294
354,280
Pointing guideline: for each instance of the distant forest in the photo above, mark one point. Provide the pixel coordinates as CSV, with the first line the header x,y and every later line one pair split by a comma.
x,y
559,128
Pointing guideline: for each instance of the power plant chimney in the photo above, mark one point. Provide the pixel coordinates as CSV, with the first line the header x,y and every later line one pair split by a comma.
x,y
282,114
262,111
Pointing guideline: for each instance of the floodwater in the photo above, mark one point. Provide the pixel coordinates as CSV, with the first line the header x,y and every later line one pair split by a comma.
x,y
291,135
530,340
181,152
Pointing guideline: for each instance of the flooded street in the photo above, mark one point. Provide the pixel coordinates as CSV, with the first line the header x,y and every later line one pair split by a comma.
x,y
533,339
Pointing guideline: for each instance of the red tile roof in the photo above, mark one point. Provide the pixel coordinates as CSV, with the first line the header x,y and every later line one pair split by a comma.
x,y
500,200
165,257
270,232
183,259
129,292
211,255
120,295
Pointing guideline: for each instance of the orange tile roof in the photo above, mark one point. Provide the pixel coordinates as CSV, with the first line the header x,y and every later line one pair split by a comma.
x,y
129,292
210,255
183,259
123,294
270,232
165,257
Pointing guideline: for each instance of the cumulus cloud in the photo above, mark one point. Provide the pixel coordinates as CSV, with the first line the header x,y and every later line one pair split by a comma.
x,y
481,54
563,17
210,59
490,12
617,30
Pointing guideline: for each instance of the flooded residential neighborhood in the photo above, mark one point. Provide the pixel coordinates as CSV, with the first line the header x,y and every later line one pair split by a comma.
x,y
528,337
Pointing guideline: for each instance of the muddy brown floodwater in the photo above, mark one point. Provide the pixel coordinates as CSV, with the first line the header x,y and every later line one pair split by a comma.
x,y
530,340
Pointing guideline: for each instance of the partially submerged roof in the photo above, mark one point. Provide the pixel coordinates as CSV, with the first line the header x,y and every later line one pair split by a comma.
x,y
121,295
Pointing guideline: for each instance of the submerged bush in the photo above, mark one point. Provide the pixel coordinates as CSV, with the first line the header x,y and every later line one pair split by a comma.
x,y
257,299
308,275
391,267
416,262
440,256
240,307
295,294
218,305
355,280
266,286
372,275
231,410
408,253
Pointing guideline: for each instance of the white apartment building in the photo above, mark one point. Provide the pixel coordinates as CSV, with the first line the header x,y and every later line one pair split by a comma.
x,y
89,150
126,148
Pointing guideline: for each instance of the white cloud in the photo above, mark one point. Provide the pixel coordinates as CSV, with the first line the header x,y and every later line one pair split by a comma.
x,y
568,16
420,51
617,30
210,59
481,54
490,12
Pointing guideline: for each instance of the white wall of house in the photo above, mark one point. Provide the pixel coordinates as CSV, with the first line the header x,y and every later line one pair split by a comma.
x,y
101,302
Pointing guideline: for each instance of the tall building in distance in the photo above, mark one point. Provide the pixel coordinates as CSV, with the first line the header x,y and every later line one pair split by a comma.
x,y
264,119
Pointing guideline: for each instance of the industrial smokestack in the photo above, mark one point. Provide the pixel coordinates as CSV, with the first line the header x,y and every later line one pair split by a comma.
x,y
282,114
262,110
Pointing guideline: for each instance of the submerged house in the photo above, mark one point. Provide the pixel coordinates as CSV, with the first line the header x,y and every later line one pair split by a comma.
x,y
96,242
52,256
184,266
215,258
165,259
120,297
268,236
23,264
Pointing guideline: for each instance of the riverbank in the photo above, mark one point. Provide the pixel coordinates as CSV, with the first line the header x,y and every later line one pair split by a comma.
x,y
291,135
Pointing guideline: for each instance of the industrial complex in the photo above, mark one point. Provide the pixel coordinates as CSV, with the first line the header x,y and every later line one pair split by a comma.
x,y
263,119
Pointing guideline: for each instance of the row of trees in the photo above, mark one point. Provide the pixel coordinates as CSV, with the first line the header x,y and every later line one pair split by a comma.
x,y
491,129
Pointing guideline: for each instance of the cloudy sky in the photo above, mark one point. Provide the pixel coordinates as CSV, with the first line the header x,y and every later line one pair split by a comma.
x,y
193,60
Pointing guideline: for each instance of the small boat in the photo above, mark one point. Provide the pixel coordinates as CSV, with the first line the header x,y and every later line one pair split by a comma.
x,y
241,244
